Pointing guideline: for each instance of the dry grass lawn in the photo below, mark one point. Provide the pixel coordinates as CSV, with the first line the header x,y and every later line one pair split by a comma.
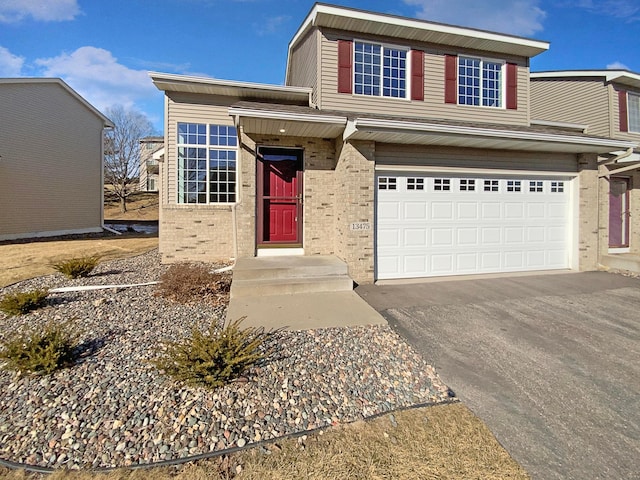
x,y
20,261
140,206
441,442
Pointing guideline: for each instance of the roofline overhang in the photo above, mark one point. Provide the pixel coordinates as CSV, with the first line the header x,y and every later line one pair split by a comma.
x,y
590,144
107,123
624,77
168,82
286,116
320,12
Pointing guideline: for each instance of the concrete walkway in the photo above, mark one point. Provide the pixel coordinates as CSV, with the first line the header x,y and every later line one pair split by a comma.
x,y
304,311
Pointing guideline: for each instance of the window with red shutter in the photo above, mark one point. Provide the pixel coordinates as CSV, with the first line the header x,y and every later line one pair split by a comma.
x,y
417,75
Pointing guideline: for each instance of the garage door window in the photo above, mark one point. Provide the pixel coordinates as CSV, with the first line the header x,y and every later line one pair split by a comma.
x,y
415,183
513,186
491,185
557,187
387,183
442,184
467,185
535,186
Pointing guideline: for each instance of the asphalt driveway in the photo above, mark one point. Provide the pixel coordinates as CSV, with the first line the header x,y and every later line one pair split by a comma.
x,y
551,363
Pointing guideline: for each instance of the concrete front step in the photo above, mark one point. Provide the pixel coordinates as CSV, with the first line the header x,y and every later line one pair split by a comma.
x,y
622,261
261,276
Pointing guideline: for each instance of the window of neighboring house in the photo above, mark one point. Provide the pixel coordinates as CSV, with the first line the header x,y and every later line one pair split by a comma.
x,y
634,112
479,82
206,163
380,70
151,184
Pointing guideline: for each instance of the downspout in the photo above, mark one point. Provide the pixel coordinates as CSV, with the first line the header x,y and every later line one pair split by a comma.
x,y
616,160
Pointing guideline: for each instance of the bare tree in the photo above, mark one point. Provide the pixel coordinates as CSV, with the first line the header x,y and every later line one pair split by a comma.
x,y
122,151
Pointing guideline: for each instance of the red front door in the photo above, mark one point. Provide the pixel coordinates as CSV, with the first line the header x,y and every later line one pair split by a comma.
x,y
279,196
618,212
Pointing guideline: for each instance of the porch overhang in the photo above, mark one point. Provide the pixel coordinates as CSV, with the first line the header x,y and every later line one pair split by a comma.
x,y
288,123
469,136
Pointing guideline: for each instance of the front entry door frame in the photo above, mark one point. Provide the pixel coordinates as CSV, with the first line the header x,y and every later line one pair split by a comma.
x,y
619,212
267,204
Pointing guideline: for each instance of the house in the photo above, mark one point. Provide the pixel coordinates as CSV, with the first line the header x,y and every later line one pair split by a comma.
x,y
51,160
605,103
402,146
151,151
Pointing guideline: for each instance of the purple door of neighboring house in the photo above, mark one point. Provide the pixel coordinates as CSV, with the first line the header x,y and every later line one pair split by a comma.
x,y
618,212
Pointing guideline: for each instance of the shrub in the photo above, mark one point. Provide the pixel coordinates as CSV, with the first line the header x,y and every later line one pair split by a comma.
x,y
23,302
41,351
77,267
215,357
187,282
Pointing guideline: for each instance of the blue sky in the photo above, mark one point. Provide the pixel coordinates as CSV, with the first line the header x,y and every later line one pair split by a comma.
x,y
104,49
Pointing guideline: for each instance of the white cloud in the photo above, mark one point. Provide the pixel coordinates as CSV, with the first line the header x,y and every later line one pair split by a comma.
x,y
629,10
617,66
518,17
10,64
271,25
96,74
41,10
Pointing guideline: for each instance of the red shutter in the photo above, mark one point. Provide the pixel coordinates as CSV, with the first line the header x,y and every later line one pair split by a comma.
x,y
512,86
622,101
450,79
417,75
345,65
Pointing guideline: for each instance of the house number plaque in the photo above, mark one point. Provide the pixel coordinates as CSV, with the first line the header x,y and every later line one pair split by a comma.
x,y
361,226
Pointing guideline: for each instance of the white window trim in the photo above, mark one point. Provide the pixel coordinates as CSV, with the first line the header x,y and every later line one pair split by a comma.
x,y
407,92
503,85
207,146
629,95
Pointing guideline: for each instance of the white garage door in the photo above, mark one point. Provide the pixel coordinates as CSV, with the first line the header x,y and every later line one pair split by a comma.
x,y
453,225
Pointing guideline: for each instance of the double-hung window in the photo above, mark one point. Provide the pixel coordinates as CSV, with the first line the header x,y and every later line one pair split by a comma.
x,y
634,112
480,82
380,70
206,163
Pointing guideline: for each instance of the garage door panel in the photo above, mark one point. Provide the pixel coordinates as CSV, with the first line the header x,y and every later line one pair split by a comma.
x,y
415,210
445,225
441,210
492,210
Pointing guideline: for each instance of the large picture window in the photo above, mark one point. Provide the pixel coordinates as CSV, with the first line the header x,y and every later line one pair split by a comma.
x,y
634,112
479,82
206,163
380,70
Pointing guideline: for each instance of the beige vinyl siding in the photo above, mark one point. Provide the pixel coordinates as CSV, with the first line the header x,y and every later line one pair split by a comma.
x,y
50,165
615,114
190,108
447,157
433,105
576,101
304,64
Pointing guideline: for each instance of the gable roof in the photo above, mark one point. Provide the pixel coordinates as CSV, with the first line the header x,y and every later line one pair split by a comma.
x,y
58,81
623,77
362,21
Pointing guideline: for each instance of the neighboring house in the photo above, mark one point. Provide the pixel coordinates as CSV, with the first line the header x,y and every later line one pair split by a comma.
x,y
606,103
151,152
401,146
51,144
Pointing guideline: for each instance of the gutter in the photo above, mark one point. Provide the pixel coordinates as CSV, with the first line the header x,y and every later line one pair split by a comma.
x,y
622,156
488,132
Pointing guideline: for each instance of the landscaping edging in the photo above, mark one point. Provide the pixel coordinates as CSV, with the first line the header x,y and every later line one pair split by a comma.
x,y
113,409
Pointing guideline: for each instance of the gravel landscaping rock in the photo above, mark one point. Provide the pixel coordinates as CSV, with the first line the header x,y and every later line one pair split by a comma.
x,y
113,408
